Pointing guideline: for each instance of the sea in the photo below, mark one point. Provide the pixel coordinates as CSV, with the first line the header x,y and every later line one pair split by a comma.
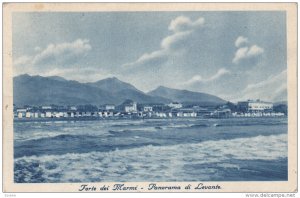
x,y
187,149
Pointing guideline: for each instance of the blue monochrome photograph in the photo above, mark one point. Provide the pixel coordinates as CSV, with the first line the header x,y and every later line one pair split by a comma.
x,y
164,96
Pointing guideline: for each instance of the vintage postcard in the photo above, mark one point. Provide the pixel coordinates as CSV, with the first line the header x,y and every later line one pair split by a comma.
x,y
150,97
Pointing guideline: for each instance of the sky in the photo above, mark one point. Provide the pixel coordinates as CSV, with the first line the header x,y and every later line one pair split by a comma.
x,y
233,55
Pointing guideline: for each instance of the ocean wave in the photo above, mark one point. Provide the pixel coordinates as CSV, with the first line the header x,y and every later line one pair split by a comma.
x,y
37,135
73,130
156,163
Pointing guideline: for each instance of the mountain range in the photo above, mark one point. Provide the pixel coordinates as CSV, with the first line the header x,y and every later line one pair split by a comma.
x,y
38,90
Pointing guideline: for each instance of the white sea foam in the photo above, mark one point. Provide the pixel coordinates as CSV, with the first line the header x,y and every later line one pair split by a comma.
x,y
156,163
39,134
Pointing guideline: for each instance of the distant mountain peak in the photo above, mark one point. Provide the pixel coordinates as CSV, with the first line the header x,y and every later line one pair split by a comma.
x,y
160,88
113,84
110,78
163,87
114,78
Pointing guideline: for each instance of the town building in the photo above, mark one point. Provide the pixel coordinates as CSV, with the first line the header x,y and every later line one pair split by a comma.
x,y
147,109
186,112
131,107
71,114
221,113
46,107
109,107
21,113
28,114
175,105
73,108
36,114
48,114
254,106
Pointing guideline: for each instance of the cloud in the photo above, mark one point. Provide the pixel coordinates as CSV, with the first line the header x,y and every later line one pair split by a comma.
x,y
59,55
22,60
247,53
22,65
167,44
169,41
241,41
182,27
255,51
275,86
147,58
183,23
199,79
37,49
63,52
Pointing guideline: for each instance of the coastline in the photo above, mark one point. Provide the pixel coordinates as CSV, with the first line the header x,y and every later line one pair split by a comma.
x,y
137,118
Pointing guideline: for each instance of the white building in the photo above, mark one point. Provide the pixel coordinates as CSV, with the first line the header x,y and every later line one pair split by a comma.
x,y
21,110
46,107
73,108
86,114
147,109
129,108
260,106
189,114
175,105
109,107
161,114
48,114
28,115
105,114
21,114
254,105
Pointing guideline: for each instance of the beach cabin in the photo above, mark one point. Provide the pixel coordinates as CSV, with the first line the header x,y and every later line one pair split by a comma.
x,y
65,114
21,114
28,115
48,114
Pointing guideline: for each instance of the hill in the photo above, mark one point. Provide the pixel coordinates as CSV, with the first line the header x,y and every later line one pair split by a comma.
x,y
185,96
38,90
